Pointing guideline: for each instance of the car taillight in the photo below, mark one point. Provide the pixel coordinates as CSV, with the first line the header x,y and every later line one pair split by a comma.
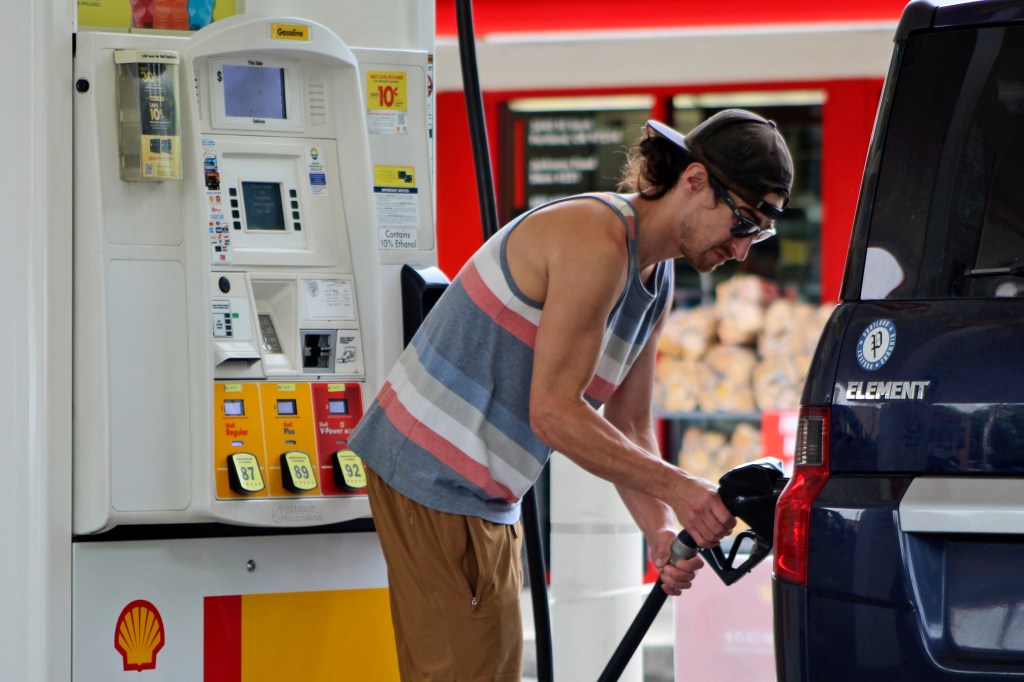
x,y
793,513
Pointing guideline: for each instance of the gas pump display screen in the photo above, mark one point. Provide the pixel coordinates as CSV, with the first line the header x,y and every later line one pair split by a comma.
x,y
286,408
337,406
254,92
263,207
234,408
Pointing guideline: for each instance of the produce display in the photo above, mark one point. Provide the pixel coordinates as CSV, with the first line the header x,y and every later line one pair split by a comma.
x,y
748,353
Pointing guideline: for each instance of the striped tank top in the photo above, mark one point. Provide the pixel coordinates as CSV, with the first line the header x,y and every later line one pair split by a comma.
x,y
450,428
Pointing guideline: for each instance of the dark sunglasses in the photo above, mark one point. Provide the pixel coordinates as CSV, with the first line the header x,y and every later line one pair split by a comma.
x,y
745,227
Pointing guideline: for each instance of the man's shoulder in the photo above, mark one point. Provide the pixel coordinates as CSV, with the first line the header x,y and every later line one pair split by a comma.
x,y
586,236
583,216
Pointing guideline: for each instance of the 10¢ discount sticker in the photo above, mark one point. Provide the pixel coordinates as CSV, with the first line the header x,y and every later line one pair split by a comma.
x,y
386,102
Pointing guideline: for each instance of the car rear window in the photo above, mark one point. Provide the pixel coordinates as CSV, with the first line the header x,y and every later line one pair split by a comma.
x,y
946,218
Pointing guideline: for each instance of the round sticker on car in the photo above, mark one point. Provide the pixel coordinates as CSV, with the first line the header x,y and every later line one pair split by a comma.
x,y
876,344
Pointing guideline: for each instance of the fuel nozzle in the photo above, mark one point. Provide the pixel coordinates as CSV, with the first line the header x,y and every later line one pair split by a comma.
x,y
750,492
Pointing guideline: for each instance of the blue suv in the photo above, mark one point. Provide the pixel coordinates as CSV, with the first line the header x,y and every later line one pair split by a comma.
x,y
900,538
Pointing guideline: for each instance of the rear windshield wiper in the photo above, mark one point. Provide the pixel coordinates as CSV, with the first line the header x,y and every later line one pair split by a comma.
x,y
1014,269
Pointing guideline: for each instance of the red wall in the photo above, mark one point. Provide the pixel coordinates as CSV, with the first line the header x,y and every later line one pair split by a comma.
x,y
459,230
847,121
847,118
513,16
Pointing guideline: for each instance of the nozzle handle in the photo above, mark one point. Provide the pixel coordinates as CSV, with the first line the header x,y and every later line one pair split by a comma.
x,y
683,547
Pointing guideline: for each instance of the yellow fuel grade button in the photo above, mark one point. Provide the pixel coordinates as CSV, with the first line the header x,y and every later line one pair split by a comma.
x,y
297,472
244,473
349,474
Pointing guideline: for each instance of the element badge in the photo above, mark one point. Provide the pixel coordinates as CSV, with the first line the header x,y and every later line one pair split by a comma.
x,y
876,344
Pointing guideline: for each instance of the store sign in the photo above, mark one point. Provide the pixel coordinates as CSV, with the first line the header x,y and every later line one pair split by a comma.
x,y
562,153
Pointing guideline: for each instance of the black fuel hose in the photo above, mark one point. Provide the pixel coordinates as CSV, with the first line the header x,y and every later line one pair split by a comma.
x,y
489,220
683,547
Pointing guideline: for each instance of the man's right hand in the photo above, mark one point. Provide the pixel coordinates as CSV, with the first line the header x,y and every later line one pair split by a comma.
x,y
700,510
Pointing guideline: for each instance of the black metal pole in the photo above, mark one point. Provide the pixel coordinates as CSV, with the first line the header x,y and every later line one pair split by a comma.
x,y
538,587
489,222
477,121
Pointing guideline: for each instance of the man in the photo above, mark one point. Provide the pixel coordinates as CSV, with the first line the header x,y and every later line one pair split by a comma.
x,y
554,316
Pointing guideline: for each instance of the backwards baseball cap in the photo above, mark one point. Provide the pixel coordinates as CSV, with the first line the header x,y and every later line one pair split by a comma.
x,y
743,150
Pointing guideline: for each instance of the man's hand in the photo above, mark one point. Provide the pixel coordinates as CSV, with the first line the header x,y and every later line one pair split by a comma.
x,y
674,577
701,511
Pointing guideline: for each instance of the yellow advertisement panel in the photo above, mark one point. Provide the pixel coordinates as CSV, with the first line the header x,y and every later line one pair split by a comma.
x,y
309,636
386,90
387,102
167,15
394,176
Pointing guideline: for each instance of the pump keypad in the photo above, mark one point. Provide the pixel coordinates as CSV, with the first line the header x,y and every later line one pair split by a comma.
x,y
293,197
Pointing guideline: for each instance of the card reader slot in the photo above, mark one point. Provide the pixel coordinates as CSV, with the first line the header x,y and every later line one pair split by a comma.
x,y
318,350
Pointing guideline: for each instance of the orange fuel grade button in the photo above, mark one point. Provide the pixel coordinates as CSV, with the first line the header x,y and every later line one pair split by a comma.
x,y
297,472
244,473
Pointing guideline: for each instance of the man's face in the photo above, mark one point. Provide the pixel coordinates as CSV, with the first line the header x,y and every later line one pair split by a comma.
x,y
706,235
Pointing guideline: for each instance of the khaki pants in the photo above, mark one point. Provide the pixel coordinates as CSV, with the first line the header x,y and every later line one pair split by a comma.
x,y
455,584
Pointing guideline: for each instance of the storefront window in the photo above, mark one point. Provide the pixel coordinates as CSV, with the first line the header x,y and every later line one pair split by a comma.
x,y
557,147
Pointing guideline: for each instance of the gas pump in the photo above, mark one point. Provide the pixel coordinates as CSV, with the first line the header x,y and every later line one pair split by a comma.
x,y
245,202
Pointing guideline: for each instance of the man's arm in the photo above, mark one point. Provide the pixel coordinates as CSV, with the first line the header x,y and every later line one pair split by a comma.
x,y
629,410
585,267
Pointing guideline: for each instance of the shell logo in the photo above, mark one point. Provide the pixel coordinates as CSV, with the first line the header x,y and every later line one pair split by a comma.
x,y
139,635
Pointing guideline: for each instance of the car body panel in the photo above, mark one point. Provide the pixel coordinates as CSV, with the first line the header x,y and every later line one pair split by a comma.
x,y
915,543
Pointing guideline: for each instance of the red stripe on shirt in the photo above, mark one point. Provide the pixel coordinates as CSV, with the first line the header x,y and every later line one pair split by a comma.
x,y
506,318
600,389
425,437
